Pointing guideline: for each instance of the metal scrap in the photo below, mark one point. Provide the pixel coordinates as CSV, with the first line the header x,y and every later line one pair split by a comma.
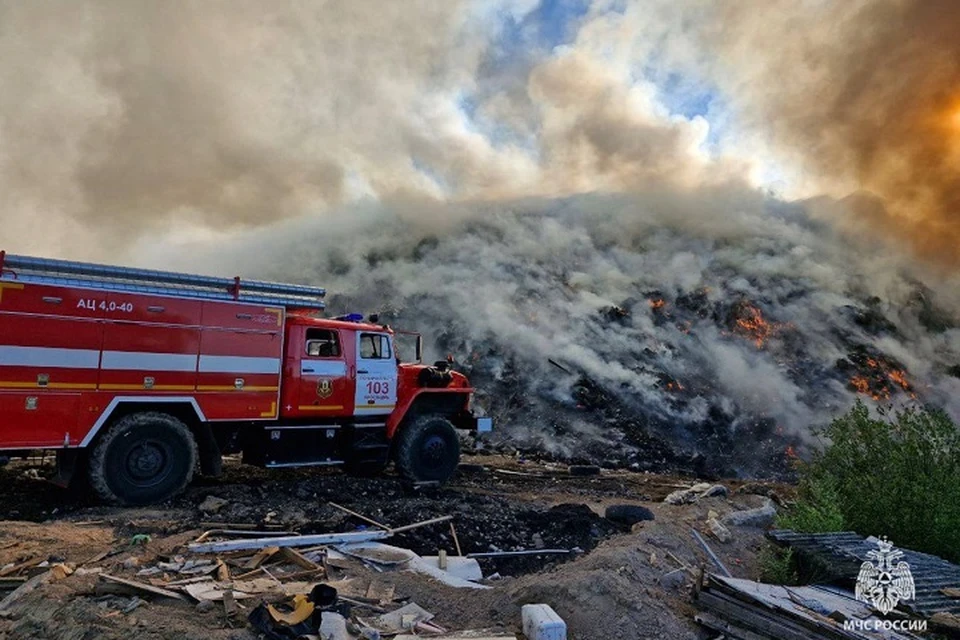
x,y
289,541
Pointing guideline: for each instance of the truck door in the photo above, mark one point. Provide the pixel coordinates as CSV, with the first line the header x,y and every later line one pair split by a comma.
x,y
325,385
376,375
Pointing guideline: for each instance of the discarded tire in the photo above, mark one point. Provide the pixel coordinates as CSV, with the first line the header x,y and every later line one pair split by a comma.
x,y
584,470
143,458
628,514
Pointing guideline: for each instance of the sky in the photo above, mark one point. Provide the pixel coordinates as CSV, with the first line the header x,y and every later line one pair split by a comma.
x,y
125,125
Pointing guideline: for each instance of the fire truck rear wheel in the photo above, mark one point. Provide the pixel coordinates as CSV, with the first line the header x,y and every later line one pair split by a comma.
x,y
143,458
428,450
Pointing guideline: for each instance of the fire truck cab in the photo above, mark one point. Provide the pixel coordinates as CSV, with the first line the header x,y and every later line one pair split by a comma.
x,y
136,378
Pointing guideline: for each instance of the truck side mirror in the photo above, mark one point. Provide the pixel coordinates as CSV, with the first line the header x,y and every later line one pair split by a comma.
x,y
419,348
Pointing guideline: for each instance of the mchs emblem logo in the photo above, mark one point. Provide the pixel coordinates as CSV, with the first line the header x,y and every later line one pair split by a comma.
x,y
884,584
324,388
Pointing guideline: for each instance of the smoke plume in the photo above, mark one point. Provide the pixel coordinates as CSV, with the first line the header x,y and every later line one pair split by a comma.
x,y
862,95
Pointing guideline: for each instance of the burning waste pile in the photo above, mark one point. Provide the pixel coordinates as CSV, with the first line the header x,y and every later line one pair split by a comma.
x,y
616,331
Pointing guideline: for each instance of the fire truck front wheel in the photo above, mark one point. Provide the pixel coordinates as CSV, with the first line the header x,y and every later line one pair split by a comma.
x,y
428,449
143,458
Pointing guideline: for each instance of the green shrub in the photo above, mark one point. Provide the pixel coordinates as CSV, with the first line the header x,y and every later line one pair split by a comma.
x,y
777,565
897,476
817,509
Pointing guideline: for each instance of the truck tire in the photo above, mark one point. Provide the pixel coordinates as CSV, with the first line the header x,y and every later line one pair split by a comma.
x,y
428,450
143,458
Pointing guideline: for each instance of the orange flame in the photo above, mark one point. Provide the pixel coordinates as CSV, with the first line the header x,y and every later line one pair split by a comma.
x,y
658,303
899,377
861,384
755,327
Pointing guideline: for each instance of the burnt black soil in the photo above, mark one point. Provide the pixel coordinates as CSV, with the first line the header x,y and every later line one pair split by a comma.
x,y
298,500
483,523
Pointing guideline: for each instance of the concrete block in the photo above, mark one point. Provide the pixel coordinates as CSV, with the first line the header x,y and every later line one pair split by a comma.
x,y
540,622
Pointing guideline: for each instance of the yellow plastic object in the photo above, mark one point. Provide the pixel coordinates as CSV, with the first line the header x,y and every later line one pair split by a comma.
x,y
302,609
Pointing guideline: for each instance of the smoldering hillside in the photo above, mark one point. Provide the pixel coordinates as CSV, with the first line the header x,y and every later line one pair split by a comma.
x,y
707,331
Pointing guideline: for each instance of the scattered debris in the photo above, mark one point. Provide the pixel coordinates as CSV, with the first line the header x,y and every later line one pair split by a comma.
x,y
386,555
746,609
141,587
715,490
245,564
56,572
761,517
689,495
405,618
719,531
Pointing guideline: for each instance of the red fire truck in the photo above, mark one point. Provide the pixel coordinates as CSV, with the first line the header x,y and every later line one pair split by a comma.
x,y
136,377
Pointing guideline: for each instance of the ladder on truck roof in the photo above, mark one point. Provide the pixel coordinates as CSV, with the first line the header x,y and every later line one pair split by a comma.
x,y
181,285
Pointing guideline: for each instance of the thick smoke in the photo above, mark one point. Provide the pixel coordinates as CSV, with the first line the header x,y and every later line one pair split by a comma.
x,y
705,330
860,95
581,225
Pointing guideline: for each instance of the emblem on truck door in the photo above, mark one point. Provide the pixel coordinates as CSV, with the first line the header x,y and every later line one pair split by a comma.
x,y
324,388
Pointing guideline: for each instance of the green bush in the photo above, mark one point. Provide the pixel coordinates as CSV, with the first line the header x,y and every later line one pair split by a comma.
x,y
777,565
897,476
817,509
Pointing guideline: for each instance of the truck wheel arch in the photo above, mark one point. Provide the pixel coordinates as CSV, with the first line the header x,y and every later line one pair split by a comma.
x,y
184,408
446,403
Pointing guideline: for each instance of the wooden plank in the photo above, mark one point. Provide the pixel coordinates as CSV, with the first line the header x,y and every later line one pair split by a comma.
x,y
726,628
17,568
260,557
456,540
288,554
417,525
141,586
752,619
23,590
361,517
223,572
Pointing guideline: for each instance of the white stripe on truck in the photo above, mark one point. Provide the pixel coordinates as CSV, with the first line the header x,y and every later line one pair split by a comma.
x,y
238,364
13,356
49,357
133,360
337,368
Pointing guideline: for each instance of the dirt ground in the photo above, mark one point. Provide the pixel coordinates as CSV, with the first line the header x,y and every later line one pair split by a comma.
x,y
621,582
